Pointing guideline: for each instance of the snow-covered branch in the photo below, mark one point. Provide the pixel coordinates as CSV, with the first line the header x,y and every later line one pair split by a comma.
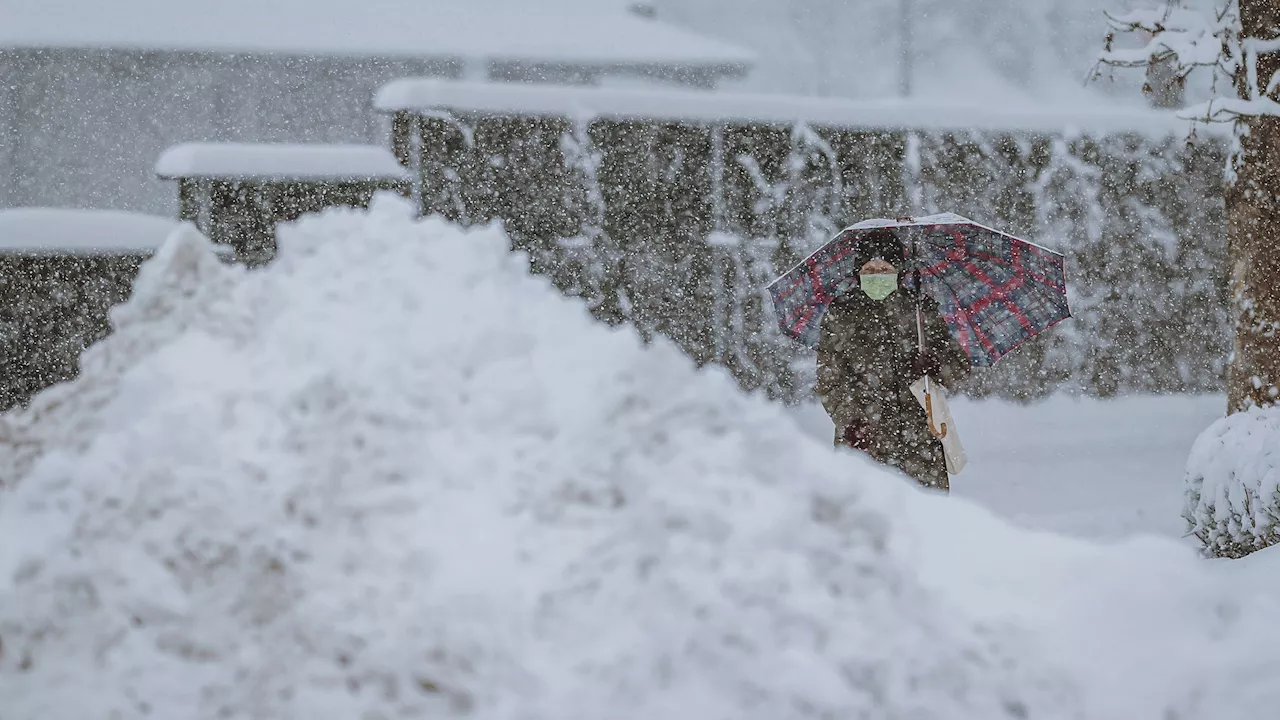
x,y
1231,109
1189,39
1185,35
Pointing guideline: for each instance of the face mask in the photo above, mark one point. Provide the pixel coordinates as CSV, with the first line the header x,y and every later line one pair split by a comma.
x,y
879,286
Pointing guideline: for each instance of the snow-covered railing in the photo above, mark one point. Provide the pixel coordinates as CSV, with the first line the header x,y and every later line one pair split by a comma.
x,y
416,95
237,192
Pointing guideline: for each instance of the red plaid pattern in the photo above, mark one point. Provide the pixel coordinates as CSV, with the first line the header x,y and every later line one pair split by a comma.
x,y
994,290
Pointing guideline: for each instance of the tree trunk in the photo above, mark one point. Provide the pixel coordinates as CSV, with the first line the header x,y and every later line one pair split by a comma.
x,y
1164,87
1253,237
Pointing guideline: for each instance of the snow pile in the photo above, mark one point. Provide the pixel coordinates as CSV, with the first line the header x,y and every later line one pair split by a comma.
x,y
1233,483
393,474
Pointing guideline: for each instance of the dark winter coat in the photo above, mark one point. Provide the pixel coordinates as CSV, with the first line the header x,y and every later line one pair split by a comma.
x,y
865,359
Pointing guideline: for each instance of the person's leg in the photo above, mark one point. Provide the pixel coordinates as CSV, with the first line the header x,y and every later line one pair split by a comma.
x,y
855,437
934,473
921,459
924,460
937,477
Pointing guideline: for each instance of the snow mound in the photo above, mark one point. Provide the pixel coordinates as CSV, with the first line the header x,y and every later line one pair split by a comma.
x,y
394,475
1233,483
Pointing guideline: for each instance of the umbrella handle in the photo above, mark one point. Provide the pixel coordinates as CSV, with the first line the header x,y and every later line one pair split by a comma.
x,y
938,432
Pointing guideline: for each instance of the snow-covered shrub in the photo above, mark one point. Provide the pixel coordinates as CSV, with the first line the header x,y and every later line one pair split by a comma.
x,y
675,228
1233,484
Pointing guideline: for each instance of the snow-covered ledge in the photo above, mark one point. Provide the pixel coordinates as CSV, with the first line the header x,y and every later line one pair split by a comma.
x,y
280,162
426,95
75,231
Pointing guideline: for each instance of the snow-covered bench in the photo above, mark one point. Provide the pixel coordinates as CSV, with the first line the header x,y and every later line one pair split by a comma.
x,y
236,193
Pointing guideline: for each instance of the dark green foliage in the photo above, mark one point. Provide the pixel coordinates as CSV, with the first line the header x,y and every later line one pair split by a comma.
x,y
244,213
655,186
51,308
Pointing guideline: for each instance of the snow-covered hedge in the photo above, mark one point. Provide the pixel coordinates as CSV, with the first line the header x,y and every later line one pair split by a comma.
x,y
675,229
394,475
1233,484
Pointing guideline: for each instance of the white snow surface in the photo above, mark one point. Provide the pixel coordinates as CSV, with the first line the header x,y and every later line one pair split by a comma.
x,y
393,473
944,218
42,230
280,161
590,31
1233,480
1090,468
575,101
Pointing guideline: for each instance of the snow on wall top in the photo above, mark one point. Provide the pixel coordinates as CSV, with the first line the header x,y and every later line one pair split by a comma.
x,y
944,218
701,106
279,161
573,31
63,230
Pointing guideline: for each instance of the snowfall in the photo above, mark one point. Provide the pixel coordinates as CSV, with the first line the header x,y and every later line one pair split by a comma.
x,y
394,475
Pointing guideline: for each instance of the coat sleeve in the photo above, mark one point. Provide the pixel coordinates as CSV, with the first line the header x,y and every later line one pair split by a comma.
x,y
833,382
954,364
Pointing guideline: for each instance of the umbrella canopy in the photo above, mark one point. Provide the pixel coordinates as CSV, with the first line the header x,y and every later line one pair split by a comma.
x,y
994,290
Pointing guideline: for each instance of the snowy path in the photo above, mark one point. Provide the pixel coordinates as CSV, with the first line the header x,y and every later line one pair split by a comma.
x,y
1089,468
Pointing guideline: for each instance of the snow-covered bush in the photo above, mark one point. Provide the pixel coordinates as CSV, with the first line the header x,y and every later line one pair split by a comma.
x,y
395,475
675,229
1233,484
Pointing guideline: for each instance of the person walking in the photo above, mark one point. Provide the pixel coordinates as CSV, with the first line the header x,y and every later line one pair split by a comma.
x,y
869,354
894,307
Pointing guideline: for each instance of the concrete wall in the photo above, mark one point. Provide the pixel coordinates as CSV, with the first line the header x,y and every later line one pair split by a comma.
x,y
10,132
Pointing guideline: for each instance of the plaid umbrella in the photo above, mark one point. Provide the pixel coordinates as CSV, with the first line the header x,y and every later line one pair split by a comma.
x,y
994,290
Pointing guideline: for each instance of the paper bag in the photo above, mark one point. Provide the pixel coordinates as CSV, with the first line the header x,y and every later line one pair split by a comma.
x,y
951,446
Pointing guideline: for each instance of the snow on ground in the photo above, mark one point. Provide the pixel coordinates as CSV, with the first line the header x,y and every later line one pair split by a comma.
x,y
1099,469
1102,469
393,474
